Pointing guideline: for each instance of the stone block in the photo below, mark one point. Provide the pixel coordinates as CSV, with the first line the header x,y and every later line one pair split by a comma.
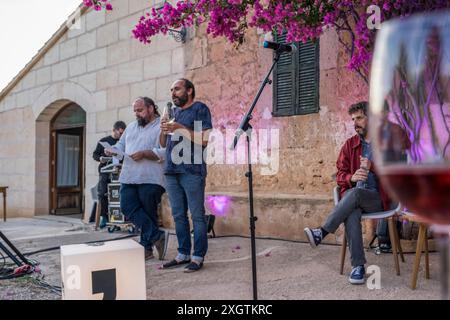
x,y
68,49
127,24
118,97
105,120
139,5
96,59
107,34
8,103
144,88
77,66
329,54
196,54
157,65
120,10
141,50
25,98
100,101
217,52
87,42
178,63
29,80
131,72
126,115
91,123
43,75
119,52
95,19
60,71
163,88
107,78
88,81
52,55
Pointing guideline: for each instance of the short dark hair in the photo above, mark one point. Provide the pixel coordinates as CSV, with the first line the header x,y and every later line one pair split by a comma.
x,y
362,105
189,85
119,125
150,103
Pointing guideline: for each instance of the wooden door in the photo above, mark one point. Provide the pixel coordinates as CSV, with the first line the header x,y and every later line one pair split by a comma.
x,y
67,171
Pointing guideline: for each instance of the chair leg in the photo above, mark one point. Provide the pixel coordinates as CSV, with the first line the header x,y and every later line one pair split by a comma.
x,y
399,244
343,250
420,239
394,244
427,261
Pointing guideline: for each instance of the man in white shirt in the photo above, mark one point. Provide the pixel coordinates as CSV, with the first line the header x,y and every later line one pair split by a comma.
x,y
142,178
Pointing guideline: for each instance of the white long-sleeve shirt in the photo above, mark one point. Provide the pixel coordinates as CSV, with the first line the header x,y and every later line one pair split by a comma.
x,y
136,138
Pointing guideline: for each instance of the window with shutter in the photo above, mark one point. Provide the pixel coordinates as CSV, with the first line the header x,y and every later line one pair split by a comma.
x,y
296,80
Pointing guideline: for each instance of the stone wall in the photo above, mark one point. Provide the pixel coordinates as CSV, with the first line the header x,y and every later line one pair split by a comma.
x,y
227,79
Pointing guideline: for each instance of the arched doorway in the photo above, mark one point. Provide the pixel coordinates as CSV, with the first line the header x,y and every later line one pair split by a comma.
x,y
67,154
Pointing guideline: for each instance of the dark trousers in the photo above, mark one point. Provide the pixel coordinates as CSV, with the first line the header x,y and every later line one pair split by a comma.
x,y
348,211
139,203
102,190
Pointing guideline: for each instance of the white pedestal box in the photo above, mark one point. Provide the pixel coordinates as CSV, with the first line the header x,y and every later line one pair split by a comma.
x,y
103,271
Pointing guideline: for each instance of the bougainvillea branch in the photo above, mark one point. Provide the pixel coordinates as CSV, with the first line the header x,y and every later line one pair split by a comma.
x,y
98,4
302,20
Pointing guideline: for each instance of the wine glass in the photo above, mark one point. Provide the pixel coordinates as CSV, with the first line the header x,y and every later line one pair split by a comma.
x,y
363,184
168,115
410,118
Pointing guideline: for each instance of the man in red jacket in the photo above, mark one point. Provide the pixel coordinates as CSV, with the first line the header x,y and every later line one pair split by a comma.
x,y
360,191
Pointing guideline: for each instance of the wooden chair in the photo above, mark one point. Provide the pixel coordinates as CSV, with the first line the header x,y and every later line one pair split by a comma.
x,y
396,247
422,245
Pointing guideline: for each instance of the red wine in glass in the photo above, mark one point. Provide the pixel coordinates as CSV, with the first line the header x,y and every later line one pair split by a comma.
x,y
422,189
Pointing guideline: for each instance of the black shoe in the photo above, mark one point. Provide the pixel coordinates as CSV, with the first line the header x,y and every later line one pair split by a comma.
x,y
174,263
314,236
192,267
161,245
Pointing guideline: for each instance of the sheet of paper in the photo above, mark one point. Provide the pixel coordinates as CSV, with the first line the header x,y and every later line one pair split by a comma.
x,y
117,153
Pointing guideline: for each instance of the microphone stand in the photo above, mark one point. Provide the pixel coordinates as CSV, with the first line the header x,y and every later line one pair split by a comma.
x,y
247,128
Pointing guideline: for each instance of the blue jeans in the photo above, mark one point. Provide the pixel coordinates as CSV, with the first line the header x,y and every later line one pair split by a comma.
x,y
188,191
139,203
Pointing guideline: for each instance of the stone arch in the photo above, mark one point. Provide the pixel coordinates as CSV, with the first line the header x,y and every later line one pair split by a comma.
x,y
47,105
57,96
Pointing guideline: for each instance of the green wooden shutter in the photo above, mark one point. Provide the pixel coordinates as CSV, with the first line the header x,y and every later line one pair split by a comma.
x,y
284,83
308,77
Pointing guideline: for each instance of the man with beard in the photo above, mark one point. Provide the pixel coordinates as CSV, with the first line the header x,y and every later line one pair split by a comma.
x,y
360,192
186,172
142,179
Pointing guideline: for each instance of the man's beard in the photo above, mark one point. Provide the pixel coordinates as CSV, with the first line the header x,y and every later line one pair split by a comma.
x,y
142,121
181,101
362,134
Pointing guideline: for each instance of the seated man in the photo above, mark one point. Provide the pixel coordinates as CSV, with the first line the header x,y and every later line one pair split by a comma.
x,y
360,192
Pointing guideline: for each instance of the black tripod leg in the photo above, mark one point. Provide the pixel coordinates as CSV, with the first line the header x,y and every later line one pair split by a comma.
x,y
16,251
10,255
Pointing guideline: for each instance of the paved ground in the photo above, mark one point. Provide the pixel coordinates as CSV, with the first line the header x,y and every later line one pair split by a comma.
x,y
286,270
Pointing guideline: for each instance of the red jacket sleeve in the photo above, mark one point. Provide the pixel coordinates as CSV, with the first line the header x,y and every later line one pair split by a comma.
x,y
344,173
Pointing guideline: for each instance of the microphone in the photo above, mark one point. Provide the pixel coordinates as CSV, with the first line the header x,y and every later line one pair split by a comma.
x,y
280,47
169,105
